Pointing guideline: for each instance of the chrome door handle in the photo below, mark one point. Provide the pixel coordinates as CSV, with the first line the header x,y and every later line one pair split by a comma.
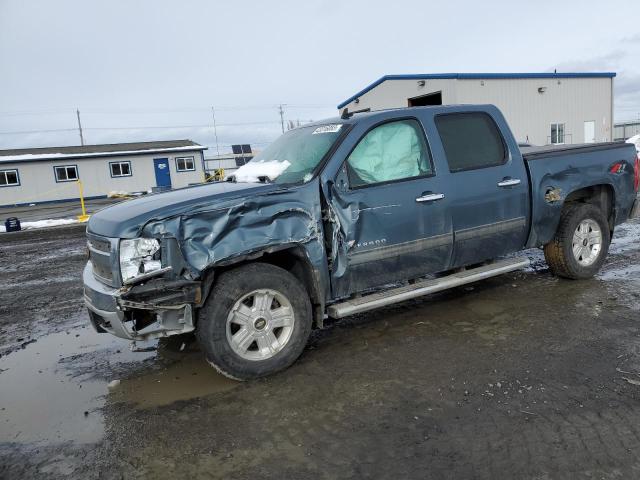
x,y
431,197
509,182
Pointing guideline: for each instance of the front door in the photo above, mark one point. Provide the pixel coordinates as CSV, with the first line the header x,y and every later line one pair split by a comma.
x,y
490,206
590,132
393,208
163,175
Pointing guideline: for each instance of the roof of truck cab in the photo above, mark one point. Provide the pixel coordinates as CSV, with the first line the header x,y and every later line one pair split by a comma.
x,y
475,76
356,116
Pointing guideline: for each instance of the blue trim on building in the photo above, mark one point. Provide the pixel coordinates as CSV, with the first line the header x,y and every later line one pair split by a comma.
x,y
63,200
475,76
120,162
55,175
17,176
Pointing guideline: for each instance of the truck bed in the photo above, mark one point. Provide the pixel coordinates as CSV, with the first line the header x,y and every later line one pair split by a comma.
x,y
563,169
546,151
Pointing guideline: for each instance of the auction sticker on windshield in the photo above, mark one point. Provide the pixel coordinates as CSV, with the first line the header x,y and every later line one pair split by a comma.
x,y
328,128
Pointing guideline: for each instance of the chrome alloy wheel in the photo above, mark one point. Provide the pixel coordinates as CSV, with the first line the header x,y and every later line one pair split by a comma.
x,y
587,242
260,324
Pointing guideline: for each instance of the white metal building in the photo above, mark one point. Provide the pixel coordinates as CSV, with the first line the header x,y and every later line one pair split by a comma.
x,y
541,108
37,175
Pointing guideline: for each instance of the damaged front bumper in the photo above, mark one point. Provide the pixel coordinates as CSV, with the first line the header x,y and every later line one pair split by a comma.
x,y
158,308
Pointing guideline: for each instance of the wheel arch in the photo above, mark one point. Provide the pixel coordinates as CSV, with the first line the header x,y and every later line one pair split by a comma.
x,y
292,258
602,196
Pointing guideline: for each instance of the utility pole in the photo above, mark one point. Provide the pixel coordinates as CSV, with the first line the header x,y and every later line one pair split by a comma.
x,y
281,117
79,127
215,129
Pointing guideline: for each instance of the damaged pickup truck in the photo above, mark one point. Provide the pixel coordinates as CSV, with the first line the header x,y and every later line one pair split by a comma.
x,y
343,216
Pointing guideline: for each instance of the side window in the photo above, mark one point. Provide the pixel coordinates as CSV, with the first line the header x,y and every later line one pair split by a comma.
x,y
120,169
185,164
470,141
391,151
9,178
66,173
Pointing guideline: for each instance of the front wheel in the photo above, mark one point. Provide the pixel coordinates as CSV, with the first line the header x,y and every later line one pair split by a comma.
x,y
256,321
580,244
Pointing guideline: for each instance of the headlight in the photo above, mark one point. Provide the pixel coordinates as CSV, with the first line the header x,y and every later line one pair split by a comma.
x,y
139,256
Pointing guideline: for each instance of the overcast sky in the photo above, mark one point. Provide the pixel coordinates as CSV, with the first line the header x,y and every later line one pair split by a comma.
x,y
132,65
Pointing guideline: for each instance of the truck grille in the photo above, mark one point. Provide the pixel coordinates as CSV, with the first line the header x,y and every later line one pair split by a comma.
x,y
103,255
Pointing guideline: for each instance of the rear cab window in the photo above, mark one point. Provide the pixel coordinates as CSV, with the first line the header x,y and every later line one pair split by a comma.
x,y
471,140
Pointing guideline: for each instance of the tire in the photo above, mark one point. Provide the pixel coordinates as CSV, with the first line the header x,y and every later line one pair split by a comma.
x,y
559,252
239,310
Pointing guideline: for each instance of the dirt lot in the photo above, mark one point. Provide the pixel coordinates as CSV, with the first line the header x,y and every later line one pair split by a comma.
x,y
520,376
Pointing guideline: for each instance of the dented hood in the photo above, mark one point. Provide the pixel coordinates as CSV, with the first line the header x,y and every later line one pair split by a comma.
x,y
125,219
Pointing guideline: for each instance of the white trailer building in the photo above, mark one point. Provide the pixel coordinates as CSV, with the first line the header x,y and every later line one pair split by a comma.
x,y
541,108
38,175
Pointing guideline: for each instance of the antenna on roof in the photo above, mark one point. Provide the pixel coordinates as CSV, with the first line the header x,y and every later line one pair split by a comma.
x,y
346,114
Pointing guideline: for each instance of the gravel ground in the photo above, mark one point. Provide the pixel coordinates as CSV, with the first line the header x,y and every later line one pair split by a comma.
x,y
519,376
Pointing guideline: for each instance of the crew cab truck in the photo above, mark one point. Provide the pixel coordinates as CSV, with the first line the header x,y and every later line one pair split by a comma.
x,y
343,216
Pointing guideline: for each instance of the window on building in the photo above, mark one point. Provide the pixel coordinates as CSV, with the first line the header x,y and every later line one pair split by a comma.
x,y
9,178
391,151
470,140
557,133
120,169
185,164
66,173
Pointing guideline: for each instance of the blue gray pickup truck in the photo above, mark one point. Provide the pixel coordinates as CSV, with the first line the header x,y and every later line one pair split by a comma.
x,y
344,216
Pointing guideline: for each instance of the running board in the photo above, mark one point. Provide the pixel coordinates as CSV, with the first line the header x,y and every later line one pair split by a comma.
x,y
424,287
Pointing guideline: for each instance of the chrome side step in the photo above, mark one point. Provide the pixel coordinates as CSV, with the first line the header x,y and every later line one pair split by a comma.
x,y
425,287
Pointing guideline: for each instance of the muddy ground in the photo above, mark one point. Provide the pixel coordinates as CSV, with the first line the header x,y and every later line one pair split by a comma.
x,y
520,376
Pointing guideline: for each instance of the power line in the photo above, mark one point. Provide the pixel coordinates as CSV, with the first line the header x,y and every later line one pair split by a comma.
x,y
27,132
151,110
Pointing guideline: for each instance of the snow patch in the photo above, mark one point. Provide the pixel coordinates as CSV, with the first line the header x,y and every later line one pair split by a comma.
x,y
626,237
117,194
636,141
252,171
43,223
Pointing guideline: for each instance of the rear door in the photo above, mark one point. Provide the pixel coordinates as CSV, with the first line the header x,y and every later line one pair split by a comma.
x,y
393,207
490,207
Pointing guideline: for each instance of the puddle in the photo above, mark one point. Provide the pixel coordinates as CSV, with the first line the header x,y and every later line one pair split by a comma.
x,y
189,378
53,390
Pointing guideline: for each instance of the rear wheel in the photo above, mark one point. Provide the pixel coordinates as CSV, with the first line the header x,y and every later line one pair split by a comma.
x,y
256,321
580,244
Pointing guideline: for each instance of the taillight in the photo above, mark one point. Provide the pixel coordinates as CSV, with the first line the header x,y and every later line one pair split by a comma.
x,y
636,173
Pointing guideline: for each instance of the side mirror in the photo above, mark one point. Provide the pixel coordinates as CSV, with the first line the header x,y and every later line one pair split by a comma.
x,y
342,178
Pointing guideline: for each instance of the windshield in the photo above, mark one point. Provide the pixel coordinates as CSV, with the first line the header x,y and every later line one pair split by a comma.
x,y
291,158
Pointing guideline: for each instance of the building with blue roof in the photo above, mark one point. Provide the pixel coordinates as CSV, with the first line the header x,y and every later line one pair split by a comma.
x,y
542,108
